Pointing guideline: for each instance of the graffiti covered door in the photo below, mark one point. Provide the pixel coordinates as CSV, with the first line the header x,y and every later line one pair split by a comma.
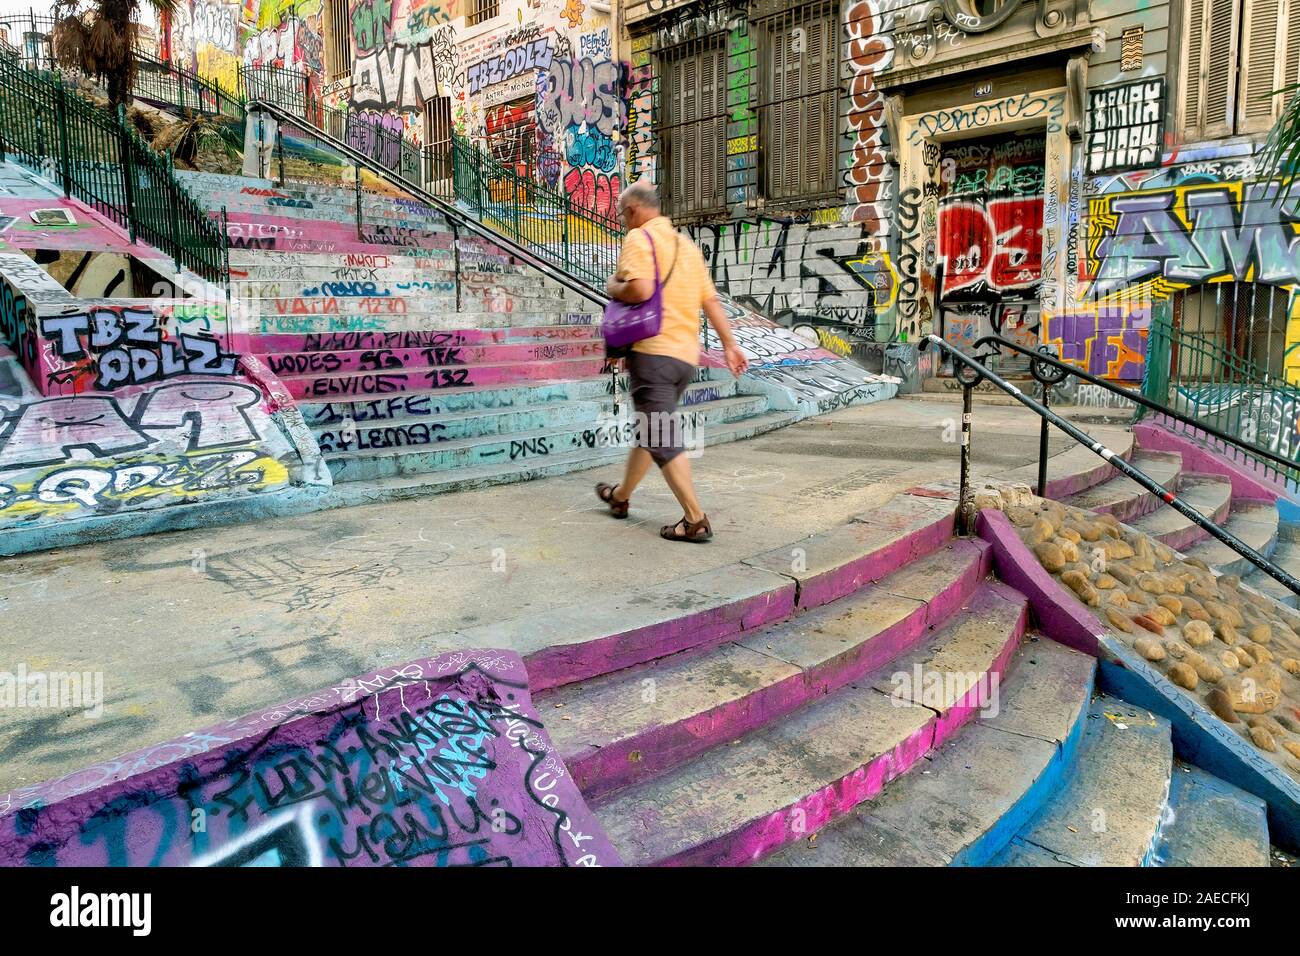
x,y
991,240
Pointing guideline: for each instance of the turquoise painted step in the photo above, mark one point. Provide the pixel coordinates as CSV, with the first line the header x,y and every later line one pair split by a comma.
x,y
409,432
974,793
1111,809
614,735
738,802
444,258
357,465
435,402
1209,822
414,431
406,304
419,484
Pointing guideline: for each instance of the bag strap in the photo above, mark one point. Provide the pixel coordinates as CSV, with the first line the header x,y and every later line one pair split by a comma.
x,y
654,256
677,244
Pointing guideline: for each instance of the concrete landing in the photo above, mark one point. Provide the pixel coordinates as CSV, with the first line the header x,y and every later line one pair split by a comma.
x,y
191,627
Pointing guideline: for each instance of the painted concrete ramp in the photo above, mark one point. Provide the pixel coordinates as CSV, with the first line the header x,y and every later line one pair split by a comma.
x,y
440,762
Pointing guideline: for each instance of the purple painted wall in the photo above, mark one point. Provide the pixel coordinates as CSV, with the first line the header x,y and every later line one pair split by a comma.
x,y
438,763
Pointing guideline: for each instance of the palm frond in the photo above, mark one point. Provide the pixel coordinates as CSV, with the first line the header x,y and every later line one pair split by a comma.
x,y
1280,156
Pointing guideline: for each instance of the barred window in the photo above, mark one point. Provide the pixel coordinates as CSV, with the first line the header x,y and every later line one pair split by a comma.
x,y
799,101
480,10
338,40
691,127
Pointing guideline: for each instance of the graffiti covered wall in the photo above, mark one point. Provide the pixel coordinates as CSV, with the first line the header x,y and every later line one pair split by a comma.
x,y
441,762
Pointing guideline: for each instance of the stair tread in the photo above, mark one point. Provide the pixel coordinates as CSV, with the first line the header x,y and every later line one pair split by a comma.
x,y
972,786
1110,809
612,709
1162,467
408,369
1212,823
1255,524
1208,494
808,753
1286,555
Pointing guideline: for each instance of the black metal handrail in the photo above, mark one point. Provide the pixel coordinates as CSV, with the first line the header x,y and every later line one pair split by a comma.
x,y
1040,357
460,218
974,371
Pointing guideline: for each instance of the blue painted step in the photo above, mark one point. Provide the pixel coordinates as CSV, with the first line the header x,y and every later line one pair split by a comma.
x,y
1110,811
1209,822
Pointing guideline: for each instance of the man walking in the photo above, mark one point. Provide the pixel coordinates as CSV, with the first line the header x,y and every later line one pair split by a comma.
x,y
660,367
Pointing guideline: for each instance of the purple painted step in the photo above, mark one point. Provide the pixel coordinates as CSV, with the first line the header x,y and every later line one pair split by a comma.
x,y
614,733
1126,499
738,802
701,610
373,360
333,386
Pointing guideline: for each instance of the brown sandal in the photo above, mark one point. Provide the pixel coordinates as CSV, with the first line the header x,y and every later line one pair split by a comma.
x,y
696,532
605,492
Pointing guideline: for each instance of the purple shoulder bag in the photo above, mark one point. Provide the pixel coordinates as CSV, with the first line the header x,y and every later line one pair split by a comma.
x,y
625,323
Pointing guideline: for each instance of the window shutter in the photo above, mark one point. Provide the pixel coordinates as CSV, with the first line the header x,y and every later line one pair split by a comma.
x,y
1291,44
1263,39
1220,67
1193,80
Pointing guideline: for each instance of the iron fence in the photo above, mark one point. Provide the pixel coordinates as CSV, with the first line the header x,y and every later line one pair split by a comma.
x,y
1199,376
97,158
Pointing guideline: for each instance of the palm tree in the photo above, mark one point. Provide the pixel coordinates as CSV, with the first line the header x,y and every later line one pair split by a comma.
x,y
97,37
1281,154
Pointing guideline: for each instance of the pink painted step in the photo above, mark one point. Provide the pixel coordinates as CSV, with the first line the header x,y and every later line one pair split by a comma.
x,y
614,734
739,801
372,360
345,341
340,385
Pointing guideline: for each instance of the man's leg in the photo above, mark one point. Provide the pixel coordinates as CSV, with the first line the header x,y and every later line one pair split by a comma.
x,y
638,463
678,475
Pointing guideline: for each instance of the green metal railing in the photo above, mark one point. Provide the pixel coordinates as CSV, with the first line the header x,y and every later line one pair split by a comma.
x,y
546,220
286,87
1219,388
96,157
161,82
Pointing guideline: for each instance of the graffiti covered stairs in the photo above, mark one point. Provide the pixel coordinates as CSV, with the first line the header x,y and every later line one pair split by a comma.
x,y
854,730
426,360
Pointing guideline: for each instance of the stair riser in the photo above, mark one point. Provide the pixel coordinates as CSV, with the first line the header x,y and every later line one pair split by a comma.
x,y
368,341
610,768
346,282
447,322
389,407
414,405
1184,538
410,433
419,305
387,360
506,451
270,262
332,213
425,456
325,387
758,838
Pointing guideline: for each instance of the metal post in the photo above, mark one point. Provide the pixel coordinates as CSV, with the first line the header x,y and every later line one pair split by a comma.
x,y
279,146
964,509
175,213
455,258
61,130
1042,443
128,170
357,191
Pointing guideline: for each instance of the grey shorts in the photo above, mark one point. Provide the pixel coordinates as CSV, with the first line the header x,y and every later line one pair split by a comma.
x,y
657,383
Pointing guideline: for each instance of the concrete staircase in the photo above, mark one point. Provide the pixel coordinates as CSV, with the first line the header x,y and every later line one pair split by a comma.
x,y
424,360
904,712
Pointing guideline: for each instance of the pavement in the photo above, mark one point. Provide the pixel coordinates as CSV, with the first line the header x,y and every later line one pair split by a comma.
x,y
190,628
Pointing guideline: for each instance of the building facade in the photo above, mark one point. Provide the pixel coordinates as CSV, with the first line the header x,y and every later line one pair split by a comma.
x,y
1064,172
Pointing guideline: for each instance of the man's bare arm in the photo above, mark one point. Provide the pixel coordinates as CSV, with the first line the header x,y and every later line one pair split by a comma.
x,y
736,360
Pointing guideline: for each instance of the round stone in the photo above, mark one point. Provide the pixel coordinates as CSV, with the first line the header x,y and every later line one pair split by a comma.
x,y
1221,705
1197,633
1183,675
1149,648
